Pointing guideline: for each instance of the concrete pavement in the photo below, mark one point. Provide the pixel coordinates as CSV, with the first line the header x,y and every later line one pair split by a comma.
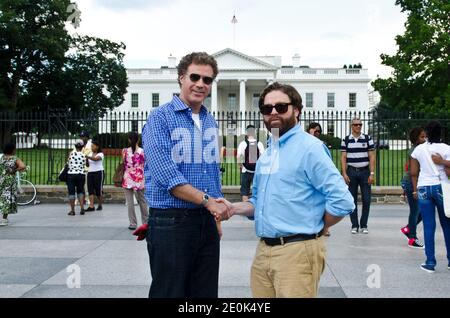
x,y
43,250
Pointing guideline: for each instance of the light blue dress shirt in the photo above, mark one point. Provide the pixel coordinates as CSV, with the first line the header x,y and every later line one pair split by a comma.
x,y
295,182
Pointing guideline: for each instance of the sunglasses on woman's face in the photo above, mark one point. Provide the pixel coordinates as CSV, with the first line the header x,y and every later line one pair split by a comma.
x,y
196,77
358,125
281,108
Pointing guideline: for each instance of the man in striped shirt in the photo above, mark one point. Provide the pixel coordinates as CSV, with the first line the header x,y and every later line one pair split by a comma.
x,y
358,166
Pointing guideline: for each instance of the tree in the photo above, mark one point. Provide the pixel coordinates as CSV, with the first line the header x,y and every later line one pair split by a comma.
x,y
43,67
421,75
32,37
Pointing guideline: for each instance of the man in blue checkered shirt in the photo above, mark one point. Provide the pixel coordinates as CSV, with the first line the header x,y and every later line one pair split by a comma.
x,y
182,180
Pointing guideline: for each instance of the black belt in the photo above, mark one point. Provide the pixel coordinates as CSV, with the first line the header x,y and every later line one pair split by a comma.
x,y
287,239
177,211
359,169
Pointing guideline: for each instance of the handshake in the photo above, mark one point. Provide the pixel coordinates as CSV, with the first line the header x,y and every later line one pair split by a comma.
x,y
220,208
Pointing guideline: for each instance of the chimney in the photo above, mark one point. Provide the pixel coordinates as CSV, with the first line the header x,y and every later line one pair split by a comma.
x,y
296,60
172,61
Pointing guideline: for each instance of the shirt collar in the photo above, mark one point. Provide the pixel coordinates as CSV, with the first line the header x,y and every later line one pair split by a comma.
x,y
353,137
179,105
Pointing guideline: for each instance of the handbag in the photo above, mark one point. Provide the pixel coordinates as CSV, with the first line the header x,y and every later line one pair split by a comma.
x,y
63,173
118,174
445,185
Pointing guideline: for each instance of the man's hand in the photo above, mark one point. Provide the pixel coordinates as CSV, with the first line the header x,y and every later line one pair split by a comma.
x,y
346,178
437,159
218,209
229,205
371,179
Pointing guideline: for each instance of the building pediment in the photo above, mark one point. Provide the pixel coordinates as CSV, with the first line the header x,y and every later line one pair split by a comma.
x,y
229,59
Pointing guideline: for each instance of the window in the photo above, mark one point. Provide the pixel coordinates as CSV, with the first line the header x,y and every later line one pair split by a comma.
x,y
255,101
113,126
309,102
155,99
232,101
330,99
207,102
352,100
134,126
330,128
134,100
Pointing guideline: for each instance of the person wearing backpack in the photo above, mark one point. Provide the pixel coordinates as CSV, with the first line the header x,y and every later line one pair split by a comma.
x,y
248,153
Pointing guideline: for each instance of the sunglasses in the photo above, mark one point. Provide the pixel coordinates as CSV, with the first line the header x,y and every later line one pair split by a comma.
x,y
357,125
281,108
196,77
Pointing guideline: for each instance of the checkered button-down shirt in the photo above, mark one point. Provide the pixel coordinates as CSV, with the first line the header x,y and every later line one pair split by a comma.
x,y
177,152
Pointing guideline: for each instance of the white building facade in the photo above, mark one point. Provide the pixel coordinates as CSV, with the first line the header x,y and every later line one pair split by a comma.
x,y
242,78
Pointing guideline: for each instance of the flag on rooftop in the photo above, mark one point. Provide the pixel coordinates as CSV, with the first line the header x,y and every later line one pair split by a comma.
x,y
234,20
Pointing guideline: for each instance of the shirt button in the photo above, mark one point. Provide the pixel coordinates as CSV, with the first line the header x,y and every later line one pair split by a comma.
x,y
204,171
206,190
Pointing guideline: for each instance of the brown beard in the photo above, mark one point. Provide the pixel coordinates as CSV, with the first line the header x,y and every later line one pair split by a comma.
x,y
286,123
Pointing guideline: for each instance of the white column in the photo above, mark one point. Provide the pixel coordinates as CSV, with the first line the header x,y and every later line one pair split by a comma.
x,y
242,103
214,107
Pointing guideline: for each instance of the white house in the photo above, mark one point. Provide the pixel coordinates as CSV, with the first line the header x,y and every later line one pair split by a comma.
x,y
242,78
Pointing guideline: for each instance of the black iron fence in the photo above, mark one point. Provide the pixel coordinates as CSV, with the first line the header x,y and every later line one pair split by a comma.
x,y
44,140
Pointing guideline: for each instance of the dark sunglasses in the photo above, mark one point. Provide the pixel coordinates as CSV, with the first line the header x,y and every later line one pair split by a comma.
x,y
357,125
281,108
196,77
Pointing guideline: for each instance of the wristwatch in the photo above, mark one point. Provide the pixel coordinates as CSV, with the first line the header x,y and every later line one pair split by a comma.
x,y
205,199
372,173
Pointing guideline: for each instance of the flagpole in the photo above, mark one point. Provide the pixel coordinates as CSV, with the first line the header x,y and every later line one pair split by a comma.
x,y
234,21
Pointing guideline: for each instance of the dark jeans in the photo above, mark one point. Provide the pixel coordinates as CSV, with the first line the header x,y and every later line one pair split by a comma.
x,y
75,185
430,199
184,249
359,177
246,182
414,213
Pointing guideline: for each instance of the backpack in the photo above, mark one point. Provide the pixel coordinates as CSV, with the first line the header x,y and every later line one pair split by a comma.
x,y
251,154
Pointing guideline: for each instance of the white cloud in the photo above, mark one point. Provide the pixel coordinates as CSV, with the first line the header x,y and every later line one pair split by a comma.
x,y
325,33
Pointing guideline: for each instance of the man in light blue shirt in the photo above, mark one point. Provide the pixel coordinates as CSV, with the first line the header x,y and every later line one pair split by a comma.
x,y
297,195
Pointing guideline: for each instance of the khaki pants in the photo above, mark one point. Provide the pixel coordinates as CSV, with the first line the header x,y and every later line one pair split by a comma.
x,y
292,270
130,204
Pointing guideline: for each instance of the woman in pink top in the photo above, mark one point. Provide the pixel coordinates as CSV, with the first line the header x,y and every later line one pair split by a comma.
x,y
133,179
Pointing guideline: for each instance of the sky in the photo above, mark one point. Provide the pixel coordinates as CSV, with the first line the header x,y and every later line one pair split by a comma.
x,y
325,33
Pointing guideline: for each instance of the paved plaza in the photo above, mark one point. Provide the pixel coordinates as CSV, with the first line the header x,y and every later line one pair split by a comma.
x,y
40,246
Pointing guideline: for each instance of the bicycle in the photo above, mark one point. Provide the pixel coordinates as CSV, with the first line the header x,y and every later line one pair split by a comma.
x,y
26,190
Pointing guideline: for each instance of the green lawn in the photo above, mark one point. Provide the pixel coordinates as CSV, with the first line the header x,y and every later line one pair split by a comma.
x,y
390,165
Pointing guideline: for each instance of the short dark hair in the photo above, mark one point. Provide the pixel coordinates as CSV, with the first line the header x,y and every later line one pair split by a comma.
x,y
95,142
9,148
414,134
433,130
314,125
198,58
249,126
290,91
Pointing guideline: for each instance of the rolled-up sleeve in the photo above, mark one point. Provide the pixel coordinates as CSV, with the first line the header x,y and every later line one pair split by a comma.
x,y
325,177
158,153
